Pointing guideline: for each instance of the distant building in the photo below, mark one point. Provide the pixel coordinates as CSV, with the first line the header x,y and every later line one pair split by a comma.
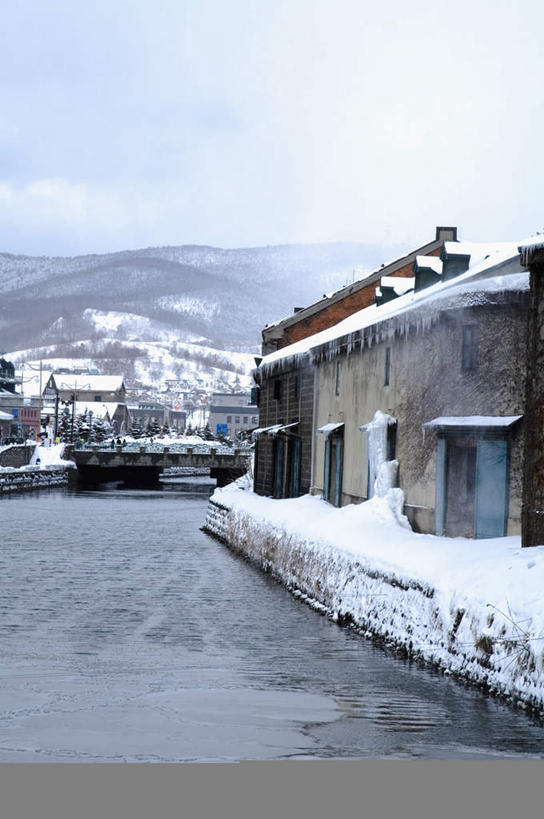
x,y
20,416
6,420
231,413
147,412
103,388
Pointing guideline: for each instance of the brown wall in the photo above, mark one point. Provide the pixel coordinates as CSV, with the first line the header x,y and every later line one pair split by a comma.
x,y
286,410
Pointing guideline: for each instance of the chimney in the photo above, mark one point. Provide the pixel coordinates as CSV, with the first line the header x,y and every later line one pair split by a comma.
x,y
446,234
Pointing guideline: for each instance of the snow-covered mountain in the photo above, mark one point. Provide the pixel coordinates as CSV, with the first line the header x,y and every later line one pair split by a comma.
x,y
178,304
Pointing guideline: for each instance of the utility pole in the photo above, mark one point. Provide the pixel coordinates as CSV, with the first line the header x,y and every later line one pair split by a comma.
x,y
73,417
56,415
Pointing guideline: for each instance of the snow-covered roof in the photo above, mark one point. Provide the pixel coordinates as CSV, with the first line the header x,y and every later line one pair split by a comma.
x,y
476,286
99,409
399,284
5,416
369,277
83,383
445,421
479,250
275,429
531,246
31,379
328,429
431,262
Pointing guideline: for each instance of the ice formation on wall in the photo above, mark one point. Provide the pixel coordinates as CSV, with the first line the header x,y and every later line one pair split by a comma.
x,y
382,473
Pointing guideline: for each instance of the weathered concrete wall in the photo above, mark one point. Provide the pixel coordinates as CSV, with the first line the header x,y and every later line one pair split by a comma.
x,y
426,381
17,455
22,481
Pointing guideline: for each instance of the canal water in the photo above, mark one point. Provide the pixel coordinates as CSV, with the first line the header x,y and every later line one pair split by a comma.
x,y
126,634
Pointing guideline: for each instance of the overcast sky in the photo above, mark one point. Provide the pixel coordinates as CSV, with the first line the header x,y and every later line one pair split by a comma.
x,y
129,123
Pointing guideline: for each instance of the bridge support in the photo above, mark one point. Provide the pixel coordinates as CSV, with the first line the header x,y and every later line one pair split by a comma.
x,y
145,476
224,475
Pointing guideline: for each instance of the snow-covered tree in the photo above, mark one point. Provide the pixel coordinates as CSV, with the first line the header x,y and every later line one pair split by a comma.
x,y
137,429
82,429
153,427
65,425
100,430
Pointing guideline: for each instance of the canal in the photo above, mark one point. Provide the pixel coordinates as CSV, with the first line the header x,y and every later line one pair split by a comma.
x,y
126,634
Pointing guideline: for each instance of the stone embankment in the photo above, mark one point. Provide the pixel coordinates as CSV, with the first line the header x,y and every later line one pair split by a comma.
x,y
417,614
20,481
18,474
16,455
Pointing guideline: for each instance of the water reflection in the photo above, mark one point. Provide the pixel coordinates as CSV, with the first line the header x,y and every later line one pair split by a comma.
x,y
128,634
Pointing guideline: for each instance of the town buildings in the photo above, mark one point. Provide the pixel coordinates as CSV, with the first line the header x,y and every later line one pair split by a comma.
x,y
232,413
101,388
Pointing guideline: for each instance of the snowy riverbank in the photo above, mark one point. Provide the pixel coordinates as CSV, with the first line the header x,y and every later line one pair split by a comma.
x,y
473,607
47,468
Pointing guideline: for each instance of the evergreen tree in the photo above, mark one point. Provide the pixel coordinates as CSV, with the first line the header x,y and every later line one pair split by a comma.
x,y
100,430
153,427
136,429
165,429
65,425
81,429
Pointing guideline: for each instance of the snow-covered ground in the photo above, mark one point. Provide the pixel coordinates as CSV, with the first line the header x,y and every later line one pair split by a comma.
x,y
43,458
474,607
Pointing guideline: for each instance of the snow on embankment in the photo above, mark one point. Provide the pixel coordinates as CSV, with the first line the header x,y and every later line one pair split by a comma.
x,y
47,468
473,607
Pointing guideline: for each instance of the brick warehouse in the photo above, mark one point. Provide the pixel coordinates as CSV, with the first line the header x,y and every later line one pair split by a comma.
x,y
283,451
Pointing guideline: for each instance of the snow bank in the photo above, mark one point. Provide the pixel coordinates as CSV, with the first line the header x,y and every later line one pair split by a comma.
x,y
48,457
43,458
474,608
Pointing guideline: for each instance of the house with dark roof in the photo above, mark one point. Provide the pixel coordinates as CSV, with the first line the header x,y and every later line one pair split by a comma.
x,y
232,413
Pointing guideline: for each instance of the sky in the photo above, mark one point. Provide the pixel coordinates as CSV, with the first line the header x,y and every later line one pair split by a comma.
x,y
131,123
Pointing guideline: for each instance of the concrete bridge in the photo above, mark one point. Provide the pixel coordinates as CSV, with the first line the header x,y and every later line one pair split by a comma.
x,y
142,465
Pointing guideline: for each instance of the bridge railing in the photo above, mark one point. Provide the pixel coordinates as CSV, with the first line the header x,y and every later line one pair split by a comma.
x,y
207,447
